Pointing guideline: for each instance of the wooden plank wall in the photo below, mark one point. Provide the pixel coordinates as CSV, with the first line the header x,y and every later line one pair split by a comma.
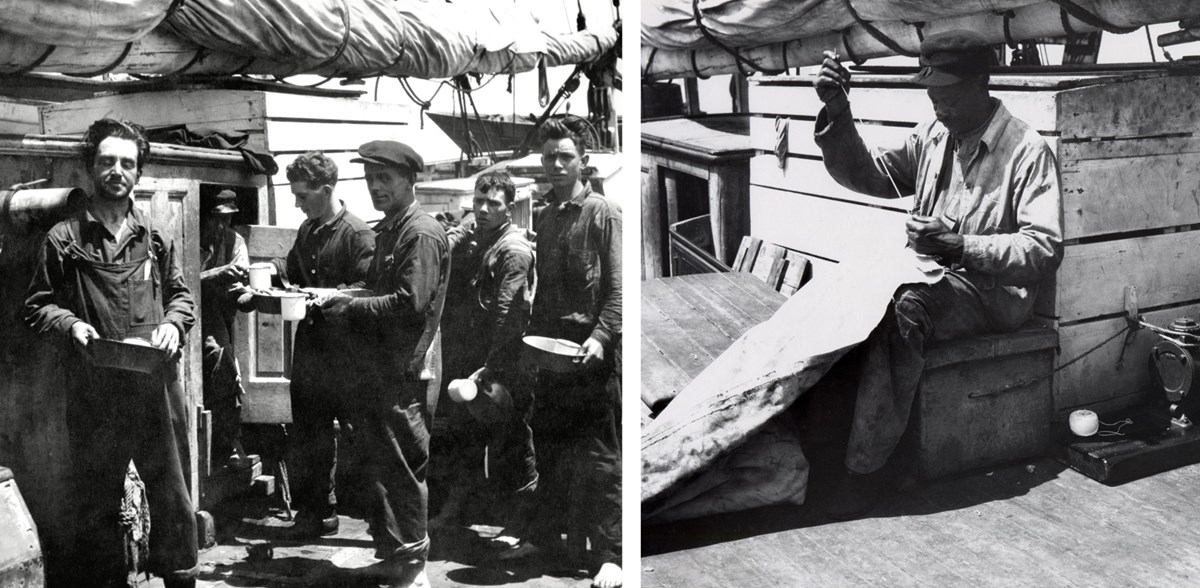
x,y
1129,156
284,124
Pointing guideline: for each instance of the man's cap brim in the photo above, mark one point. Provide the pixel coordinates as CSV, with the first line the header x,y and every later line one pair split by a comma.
x,y
378,161
932,78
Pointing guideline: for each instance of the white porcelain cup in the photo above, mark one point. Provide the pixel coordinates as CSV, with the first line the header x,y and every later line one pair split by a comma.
x,y
292,306
462,390
260,276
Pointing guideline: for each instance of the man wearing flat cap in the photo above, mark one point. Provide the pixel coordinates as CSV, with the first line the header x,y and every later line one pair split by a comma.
x,y
987,205
400,324
223,275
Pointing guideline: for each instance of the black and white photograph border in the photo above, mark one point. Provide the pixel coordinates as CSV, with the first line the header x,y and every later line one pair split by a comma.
x,y
248,109
918,299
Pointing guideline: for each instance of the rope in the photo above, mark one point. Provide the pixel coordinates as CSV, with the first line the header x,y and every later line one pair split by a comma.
x,y
878,34
32,66
713,39
109,67
1082,14
1060,368
850,52
650,60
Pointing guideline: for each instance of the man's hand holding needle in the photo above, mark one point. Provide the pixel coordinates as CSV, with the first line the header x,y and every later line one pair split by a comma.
x,y
928,235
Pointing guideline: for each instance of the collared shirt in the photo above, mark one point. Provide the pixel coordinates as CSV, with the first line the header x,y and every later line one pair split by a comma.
x,y
489,298
50,293
408,276
332,254
579,269
217,308
1005,200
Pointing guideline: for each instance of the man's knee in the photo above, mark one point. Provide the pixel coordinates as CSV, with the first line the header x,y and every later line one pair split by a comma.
x,y
913,312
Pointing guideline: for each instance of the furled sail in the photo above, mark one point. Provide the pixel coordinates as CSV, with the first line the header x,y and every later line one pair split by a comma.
x,y
337,38
772,35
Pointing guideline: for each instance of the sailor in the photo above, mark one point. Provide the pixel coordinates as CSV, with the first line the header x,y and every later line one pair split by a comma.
x,y
108,273
224,265
577,416
488,303
333,249
399,361
987,206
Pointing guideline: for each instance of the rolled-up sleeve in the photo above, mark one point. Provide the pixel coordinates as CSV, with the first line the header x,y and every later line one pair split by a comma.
x,y
1034,251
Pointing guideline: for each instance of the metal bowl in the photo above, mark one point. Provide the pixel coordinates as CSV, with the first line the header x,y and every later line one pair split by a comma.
x,y
131,355
556,355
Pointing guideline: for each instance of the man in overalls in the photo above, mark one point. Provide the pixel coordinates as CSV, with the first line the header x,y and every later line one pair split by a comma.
x,y
488,303
400,327
109,274
223,274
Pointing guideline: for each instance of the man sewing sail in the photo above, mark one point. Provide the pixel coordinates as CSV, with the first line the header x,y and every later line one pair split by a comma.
x,y
987,206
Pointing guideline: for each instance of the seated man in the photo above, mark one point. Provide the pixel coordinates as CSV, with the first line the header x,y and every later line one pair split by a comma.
x,y
987,206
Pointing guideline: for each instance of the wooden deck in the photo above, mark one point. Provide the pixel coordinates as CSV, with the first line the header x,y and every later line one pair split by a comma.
x,y
1030,524
460,557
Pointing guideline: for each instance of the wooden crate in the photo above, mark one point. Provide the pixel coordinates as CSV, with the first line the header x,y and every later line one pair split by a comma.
x,y
283,124
974,406
1129,157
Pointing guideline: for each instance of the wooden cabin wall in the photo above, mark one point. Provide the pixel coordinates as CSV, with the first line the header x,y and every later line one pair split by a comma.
x,y
1129,158
284,124
33,390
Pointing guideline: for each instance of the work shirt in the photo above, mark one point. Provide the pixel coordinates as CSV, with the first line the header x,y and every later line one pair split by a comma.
x,y
1004,199
408,276
579,269
52,303
490,296
334,254
218,296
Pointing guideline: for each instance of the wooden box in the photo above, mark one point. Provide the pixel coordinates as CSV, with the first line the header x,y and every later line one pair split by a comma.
x,y
980,402
1129,158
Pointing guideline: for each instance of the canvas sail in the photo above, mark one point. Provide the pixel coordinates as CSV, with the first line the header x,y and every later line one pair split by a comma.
x,y
774,34
337,38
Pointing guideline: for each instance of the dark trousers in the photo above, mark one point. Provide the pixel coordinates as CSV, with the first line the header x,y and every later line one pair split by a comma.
x,y
392,428
577,433
312,454
894,359
113,417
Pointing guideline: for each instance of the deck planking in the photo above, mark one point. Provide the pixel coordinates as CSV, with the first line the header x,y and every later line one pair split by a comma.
x,y
1032,523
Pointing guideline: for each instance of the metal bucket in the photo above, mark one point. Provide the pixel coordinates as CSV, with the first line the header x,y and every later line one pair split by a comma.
x,y
39,209
21,564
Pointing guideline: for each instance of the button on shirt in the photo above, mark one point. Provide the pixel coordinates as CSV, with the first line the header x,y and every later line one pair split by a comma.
x,y
47,302
336,253
579,269
1004,198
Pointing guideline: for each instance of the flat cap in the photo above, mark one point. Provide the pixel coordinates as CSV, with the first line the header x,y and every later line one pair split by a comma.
x,y
224,202
950,57
392,153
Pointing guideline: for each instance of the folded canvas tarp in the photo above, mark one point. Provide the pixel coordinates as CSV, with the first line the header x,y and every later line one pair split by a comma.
x,y
337,38
736,397
682,54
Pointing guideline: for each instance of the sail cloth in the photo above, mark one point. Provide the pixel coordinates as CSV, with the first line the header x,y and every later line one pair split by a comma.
x,y
671,24
682,54
82,24
757,378
336,38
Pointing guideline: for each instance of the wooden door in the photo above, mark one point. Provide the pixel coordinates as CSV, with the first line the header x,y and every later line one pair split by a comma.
x,y
170,207
265,357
